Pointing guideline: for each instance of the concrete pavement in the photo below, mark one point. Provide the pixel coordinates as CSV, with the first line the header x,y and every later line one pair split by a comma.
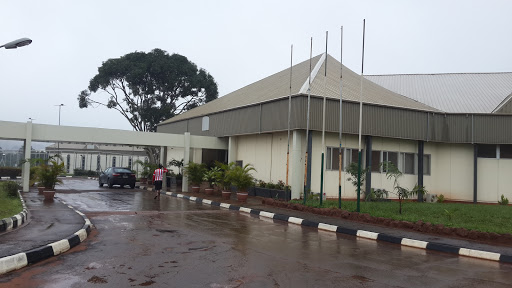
x,y
55,227
52,228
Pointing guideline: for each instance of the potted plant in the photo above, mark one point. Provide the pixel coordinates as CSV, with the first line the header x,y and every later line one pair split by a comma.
x,y
242,178
47,174
146,176
194,173
211,177
224,178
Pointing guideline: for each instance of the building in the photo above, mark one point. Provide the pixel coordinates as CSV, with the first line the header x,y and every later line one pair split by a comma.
x,y
96,157
442,131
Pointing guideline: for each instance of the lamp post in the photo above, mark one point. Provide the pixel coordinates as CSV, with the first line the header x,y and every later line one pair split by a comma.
x,y
58,143
17,43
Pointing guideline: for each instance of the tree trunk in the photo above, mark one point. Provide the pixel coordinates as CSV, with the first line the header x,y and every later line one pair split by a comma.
x,y
153,154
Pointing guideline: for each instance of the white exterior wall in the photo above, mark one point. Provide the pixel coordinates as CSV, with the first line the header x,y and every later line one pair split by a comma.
x,y
267,153
452,169
494,179
451,166
174,153
256,150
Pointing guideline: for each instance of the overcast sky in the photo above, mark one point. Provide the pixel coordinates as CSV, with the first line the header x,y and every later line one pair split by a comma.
x,y
238,42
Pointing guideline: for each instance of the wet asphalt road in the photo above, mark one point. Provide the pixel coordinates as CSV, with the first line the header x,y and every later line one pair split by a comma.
x,y
172,242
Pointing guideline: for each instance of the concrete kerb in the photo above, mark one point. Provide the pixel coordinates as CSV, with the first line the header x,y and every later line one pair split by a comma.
x,y
20,260
15,221
440,247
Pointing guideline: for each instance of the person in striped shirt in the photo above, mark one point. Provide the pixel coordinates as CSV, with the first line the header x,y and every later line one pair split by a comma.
x,y
158,176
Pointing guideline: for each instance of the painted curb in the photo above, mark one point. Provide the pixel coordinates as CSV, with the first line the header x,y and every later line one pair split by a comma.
x,y
440,247
20,260
15,221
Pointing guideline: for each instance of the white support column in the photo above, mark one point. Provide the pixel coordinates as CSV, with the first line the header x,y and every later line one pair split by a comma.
x,y
26,166
163,159
186,160
232,149
297,165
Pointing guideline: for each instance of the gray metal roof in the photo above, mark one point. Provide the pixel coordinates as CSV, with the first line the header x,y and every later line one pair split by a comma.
x,y
277,86
452,93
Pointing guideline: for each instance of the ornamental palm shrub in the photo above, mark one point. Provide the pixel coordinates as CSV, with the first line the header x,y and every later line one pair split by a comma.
x,y
242,178
195,173
48,173
224,177
212,175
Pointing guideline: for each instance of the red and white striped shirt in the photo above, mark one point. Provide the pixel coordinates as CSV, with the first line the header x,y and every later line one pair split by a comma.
x,y
159,174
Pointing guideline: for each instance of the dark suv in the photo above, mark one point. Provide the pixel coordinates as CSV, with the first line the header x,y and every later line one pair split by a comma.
x,y
117,176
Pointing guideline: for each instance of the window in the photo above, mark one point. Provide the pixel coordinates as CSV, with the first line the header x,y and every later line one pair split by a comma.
x,y
98,164
506,151
83,161
332,158
352,156
239,163
486,151
407,165
68,162
375,165
130,162
391,157
426,164
114,161
206,123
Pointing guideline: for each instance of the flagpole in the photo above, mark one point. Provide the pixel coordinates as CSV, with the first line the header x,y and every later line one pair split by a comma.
x,y
323,124
360,126
289,116
307,124
340,157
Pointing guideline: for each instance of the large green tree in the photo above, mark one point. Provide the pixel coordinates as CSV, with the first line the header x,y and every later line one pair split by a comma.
x,y
147,88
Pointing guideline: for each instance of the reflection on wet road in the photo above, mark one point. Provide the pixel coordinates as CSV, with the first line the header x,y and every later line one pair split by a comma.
x,y
173,242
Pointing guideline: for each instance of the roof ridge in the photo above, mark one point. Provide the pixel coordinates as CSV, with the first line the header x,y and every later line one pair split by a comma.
x,y
313,74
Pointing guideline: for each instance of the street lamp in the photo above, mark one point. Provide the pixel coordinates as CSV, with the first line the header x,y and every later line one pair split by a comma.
x,y
60,105
17,43
58,143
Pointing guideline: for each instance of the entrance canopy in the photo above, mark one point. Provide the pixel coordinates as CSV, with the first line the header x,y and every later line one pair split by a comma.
x,y
29,132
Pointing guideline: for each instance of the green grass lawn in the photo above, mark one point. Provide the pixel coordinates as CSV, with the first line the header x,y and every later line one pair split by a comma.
x,y
486,218
9,206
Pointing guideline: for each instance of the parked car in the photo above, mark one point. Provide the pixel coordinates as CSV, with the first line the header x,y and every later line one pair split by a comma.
x,y
117,176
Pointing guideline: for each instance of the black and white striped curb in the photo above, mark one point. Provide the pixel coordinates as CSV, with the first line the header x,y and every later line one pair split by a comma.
x,y
15,221
358,233
20,260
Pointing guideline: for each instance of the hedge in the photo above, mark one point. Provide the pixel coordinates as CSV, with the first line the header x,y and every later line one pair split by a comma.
x,y
11,172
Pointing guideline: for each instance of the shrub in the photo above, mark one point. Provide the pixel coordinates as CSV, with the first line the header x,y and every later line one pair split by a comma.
x,y
376,194
440,198
504,200
12,188
353,170
195,173
11,172
88,173
242,177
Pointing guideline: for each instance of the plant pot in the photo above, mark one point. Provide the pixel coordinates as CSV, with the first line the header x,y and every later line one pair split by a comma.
x,y
48,195
208,191
40,189
226,195
195,189
242,196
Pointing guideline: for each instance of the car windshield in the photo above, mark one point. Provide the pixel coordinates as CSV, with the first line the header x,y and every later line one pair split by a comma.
x,y
121,170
